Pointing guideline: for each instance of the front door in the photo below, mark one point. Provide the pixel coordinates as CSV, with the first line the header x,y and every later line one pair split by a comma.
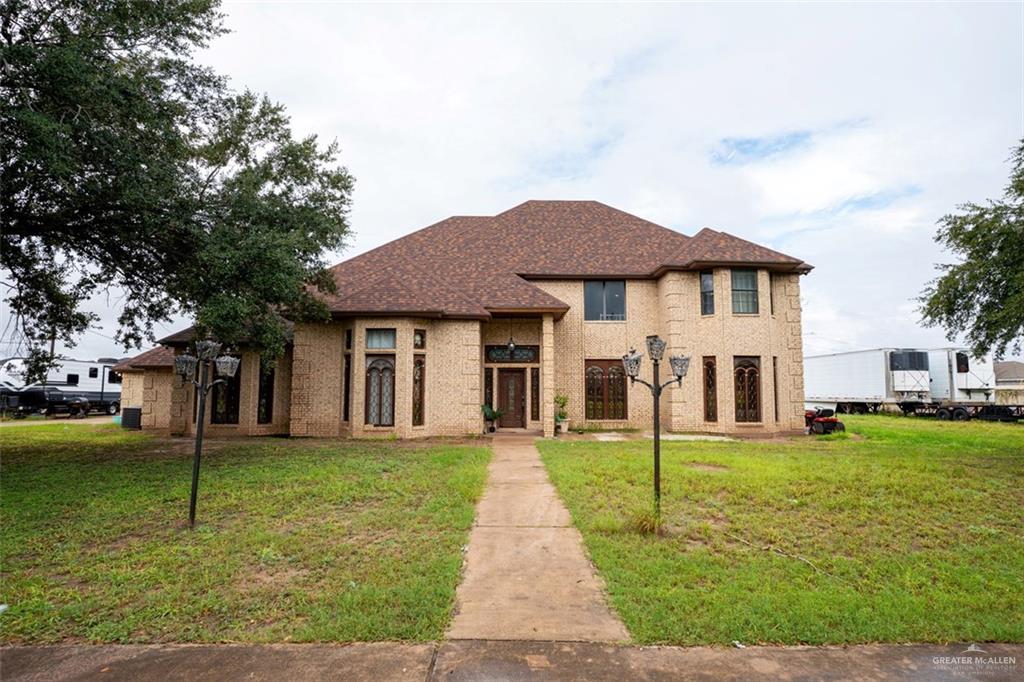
x,y
512,398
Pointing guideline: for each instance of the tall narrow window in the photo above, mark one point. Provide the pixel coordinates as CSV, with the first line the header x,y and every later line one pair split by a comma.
x,y
710,389
535,393
380,390
419,381
707,293
771,293
225,400
419,339
747,388
605,389
744,291
346,402
489,386
265,404
604,300
775,385
348,339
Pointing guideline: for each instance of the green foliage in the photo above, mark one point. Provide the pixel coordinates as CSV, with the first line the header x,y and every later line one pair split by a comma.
x,y
491,414
913,525
347,541
983,295
561,400
129,167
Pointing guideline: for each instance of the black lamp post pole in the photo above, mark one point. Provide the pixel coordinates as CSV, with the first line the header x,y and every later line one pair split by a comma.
x,y
204,368
656,390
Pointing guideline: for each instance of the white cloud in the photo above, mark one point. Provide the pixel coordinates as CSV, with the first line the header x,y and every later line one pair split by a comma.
x,y
471,109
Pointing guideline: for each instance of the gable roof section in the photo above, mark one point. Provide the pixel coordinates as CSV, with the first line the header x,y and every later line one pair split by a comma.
x,y
155,358
472,266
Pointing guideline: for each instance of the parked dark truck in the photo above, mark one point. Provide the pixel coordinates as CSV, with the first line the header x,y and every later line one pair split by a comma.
x,y
72,387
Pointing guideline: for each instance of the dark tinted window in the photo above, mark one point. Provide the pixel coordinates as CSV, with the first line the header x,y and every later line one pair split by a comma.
x,y
604,300
94,372
225,400
72,380
113,377
906,360
265,404
963,366
707,293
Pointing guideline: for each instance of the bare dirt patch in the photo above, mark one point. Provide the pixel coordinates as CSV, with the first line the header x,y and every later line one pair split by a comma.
x,y
705,466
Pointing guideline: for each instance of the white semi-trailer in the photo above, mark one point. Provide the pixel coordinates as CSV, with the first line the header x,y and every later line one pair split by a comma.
x,y
945,382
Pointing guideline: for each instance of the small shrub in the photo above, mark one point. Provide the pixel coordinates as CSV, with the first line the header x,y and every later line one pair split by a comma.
x,y
646,522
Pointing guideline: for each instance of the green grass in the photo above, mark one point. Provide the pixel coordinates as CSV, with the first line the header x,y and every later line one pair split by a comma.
x,y
296,540
915,527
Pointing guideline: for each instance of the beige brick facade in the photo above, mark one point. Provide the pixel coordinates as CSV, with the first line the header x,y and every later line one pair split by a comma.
x,y
310,384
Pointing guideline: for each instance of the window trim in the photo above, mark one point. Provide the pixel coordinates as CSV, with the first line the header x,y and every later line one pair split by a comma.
x,y
733,289
604,301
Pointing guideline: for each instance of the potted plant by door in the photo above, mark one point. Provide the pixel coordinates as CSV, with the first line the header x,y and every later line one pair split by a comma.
x,y
491,417
561,415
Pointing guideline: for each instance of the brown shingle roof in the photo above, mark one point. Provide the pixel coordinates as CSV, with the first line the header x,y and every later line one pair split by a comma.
x,y
471,266
155,358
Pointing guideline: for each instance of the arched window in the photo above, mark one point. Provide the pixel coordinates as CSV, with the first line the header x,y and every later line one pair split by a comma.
x,y
595,392
616,393
606,390
710,389
747,388
380,391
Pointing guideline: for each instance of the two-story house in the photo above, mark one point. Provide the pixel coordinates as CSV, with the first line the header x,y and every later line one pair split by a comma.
x,y
510,310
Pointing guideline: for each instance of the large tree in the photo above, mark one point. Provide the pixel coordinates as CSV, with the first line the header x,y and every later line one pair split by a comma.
x,y
982,296
128,166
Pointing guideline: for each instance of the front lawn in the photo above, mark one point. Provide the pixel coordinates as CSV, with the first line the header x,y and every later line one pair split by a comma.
x,y
296,540
915,529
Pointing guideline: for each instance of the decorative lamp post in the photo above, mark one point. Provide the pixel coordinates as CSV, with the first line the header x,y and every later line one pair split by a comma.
x,y
206,357
680,364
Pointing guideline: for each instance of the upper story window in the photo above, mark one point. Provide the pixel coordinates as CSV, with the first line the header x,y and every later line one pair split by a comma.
x,y
707,293
604,300
380,339
744,291
419,339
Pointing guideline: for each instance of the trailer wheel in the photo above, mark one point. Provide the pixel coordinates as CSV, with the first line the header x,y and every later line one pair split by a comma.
x,y
961,415
113,408
943,414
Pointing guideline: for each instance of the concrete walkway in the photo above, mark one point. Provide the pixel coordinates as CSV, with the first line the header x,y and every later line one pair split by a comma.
x,y
476,660
527,576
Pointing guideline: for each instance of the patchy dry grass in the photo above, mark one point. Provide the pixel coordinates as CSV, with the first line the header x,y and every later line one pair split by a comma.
x,y
901,530
296,541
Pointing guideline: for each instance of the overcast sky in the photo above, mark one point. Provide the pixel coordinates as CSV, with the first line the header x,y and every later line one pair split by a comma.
x,y
835,133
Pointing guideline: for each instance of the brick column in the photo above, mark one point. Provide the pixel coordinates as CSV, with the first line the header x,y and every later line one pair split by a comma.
x,y
547,371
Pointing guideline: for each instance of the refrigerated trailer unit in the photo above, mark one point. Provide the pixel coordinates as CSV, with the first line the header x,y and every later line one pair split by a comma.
x,y
859,381
944,382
